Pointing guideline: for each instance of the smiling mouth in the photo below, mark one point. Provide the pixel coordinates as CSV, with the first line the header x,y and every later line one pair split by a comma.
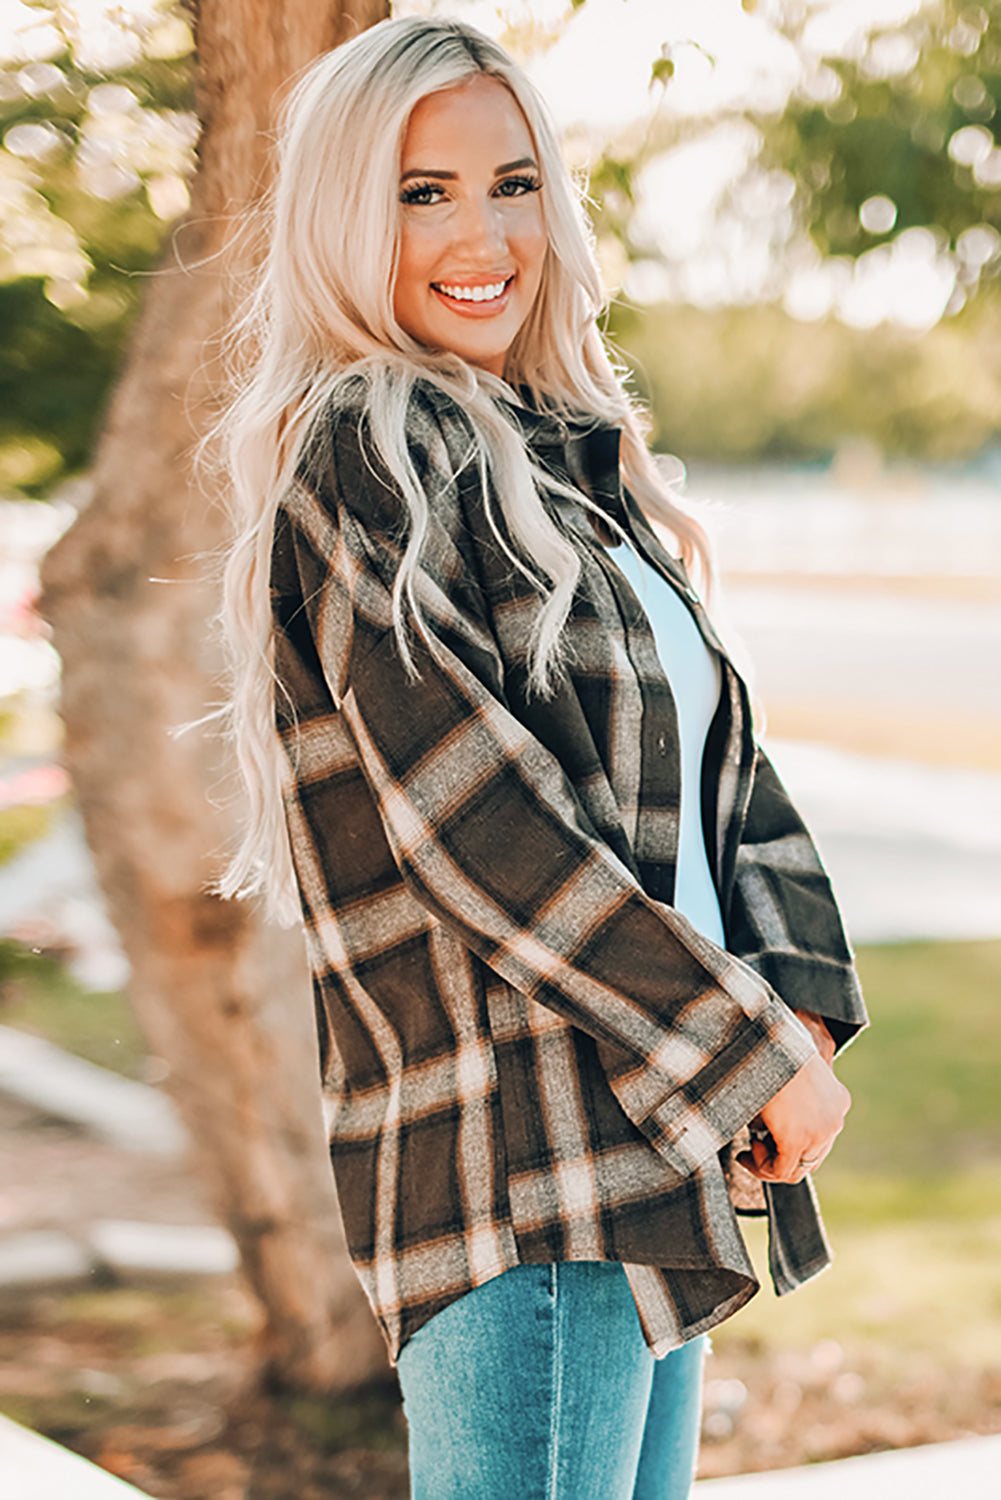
x,y
491,292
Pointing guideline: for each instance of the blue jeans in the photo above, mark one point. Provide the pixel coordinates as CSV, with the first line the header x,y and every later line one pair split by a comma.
x,y
538,1385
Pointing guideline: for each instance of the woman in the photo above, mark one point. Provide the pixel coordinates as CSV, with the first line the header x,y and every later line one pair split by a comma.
x,y
577,1002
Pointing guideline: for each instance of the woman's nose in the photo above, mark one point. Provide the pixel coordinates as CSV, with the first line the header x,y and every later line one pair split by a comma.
x,y
482,227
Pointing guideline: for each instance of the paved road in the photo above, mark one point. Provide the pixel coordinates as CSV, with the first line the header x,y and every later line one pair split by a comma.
x,y
914,851
914,848
885,652
884,598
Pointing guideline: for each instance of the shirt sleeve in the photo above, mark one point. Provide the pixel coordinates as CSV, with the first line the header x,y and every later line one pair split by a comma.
x,y
488,834
783,915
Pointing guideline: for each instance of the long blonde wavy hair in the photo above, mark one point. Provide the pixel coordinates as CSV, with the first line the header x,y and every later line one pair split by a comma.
x,y
320,311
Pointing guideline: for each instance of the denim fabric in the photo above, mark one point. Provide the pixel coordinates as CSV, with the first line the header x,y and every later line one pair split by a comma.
x,y
539,1385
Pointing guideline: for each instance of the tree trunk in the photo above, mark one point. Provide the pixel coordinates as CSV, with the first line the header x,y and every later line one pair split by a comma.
x,y
221,997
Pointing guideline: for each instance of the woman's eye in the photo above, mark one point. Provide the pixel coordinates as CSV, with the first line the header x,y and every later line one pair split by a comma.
x,y
517,186
420,192
427,193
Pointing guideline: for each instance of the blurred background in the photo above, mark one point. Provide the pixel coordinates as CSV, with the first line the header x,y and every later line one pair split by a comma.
x,y
797,207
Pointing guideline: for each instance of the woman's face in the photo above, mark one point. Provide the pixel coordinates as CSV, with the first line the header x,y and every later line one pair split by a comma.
x,y
472,233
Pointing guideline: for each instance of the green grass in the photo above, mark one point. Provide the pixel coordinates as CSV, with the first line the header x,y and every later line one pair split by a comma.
x,y
925,1078
927,1287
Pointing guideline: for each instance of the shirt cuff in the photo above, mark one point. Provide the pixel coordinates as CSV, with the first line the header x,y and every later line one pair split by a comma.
x,y
697,1120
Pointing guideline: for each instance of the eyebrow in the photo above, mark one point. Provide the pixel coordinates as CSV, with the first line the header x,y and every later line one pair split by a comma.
x,y
509,166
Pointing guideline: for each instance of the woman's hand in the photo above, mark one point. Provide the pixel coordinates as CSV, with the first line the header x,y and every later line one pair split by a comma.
x,y
802,1122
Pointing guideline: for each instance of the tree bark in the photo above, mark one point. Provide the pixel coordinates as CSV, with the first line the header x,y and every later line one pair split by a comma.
x,y
221,997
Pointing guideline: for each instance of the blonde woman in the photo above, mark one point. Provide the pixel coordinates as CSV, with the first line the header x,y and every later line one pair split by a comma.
x,y
578,970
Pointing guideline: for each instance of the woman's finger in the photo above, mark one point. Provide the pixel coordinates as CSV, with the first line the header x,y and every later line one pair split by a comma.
x,y
774,1166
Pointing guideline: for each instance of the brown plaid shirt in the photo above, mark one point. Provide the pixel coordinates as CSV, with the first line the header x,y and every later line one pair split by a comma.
x,y
527,1053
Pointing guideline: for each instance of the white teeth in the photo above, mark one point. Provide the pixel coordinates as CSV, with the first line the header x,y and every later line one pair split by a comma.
x,y
473,293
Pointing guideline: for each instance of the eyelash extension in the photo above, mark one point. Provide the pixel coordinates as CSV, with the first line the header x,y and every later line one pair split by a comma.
x,y
412,194
530,184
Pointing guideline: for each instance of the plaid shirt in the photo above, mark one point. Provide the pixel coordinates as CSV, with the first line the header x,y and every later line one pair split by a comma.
x,y
527,1053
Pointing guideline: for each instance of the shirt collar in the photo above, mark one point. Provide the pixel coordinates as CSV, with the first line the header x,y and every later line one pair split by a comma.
x,y
583,445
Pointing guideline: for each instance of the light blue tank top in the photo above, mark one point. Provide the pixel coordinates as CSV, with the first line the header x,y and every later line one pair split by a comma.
x,y
694,674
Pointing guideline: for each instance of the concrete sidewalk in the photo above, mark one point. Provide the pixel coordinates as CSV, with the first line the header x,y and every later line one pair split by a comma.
x,y
33,1468
969,1469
